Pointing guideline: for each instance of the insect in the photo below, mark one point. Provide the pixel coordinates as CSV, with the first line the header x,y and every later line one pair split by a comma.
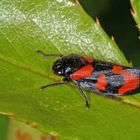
x,y
95,75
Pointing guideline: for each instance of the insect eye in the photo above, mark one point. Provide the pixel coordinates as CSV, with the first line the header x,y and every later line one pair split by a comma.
x,y
58,68
59,72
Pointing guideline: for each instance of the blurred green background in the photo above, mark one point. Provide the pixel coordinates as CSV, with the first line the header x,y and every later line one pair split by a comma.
x,y
116,19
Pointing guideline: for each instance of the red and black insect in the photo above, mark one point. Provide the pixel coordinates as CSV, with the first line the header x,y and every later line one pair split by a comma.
x,y
95,75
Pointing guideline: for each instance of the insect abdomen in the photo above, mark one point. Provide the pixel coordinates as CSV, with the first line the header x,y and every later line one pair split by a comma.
x,y
119,80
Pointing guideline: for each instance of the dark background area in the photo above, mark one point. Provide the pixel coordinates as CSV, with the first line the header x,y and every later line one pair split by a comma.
x,y
116,19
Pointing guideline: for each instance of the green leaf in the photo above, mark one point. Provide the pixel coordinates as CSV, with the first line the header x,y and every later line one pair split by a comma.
x,y
4,122
58,26
136,11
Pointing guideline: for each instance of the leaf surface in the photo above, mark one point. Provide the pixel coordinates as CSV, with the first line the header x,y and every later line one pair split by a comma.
x,y
57,26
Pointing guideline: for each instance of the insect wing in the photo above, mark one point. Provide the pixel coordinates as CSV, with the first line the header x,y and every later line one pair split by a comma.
x,y
107,78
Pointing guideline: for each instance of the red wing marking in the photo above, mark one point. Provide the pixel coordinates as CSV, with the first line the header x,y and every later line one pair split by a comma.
x,y
131,81
117,69
101,82
82,73
90,60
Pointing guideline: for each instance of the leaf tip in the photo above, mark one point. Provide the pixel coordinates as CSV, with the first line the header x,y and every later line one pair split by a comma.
x,y
97,20
132,12
112,38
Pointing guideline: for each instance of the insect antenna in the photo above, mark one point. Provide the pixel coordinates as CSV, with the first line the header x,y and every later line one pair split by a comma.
x,y
53,84
83,95
49,55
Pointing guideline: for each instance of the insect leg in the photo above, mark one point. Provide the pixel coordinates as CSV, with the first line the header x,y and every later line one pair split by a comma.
x,y
48,55
82,94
